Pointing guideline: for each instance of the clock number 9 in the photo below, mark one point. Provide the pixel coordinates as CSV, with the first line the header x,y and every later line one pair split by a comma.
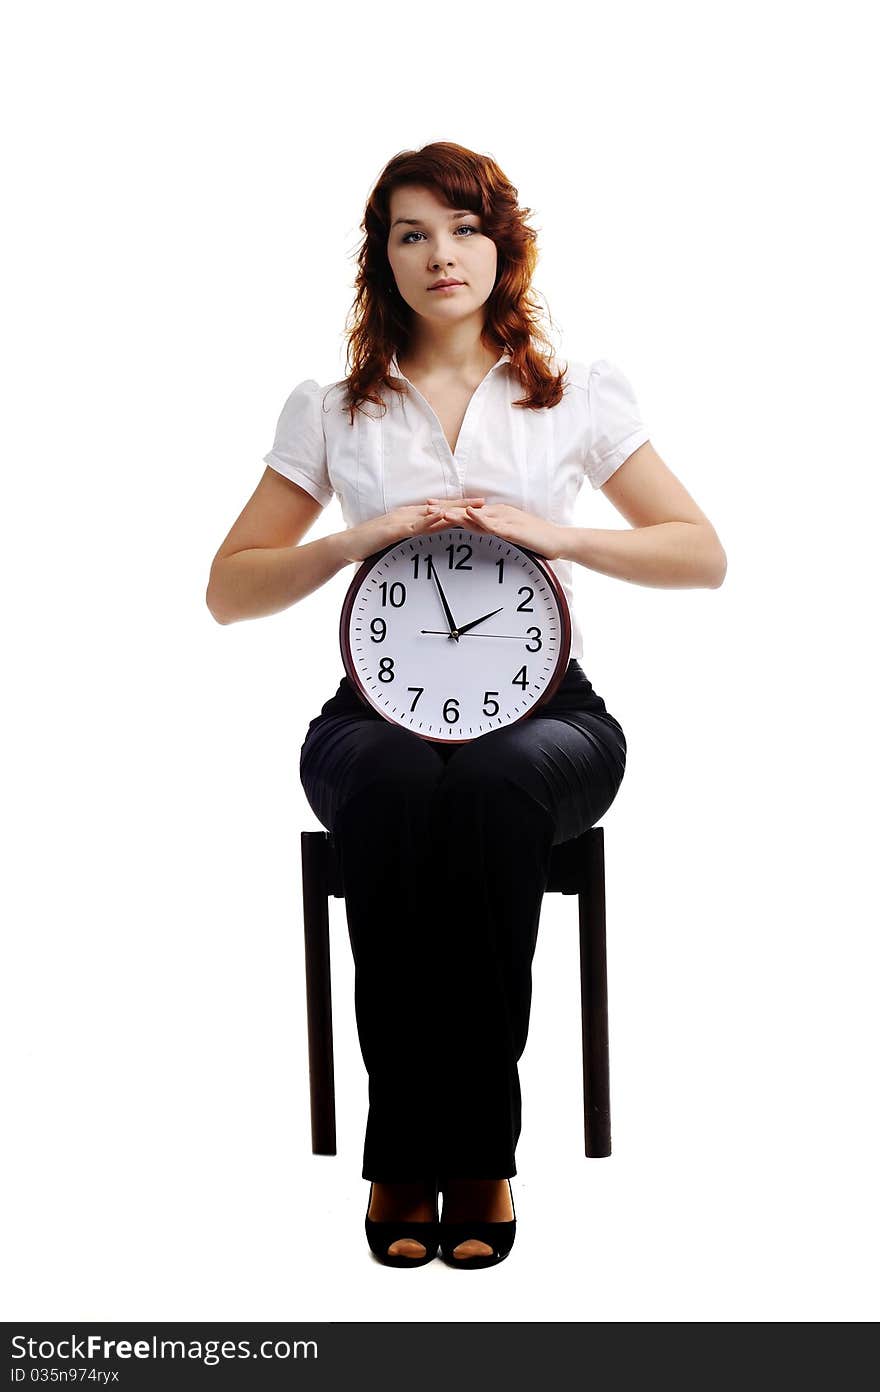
x,y
381,630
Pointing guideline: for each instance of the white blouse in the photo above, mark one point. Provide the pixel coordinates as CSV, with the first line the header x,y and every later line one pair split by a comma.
x,y
534,458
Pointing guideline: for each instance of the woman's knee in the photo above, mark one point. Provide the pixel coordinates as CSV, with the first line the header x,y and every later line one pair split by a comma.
x,y
545,767
392,762
502,769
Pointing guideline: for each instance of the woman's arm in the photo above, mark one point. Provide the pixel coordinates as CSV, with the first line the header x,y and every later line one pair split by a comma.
x,y
264,580
671,543
260,568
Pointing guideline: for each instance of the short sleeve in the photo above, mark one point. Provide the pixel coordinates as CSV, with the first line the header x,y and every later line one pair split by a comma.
x,y
615,427
300,449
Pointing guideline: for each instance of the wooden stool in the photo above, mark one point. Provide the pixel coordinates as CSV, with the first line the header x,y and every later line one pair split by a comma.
x,y
576,867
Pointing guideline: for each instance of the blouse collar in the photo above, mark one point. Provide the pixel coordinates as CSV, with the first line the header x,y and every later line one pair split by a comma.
x,y
394,366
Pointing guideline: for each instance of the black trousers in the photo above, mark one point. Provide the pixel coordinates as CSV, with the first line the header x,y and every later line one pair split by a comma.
x,y
444,854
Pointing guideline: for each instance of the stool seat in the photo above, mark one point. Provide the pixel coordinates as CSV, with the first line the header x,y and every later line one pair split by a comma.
x,y
576,867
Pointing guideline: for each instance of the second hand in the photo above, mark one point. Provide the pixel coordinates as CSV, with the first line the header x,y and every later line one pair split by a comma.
x,y
442,631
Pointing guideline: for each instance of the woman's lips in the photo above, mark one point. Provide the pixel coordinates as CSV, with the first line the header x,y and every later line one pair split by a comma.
x,y
442,288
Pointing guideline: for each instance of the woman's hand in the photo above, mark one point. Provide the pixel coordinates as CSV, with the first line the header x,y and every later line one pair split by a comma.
x,y
367,538
546,539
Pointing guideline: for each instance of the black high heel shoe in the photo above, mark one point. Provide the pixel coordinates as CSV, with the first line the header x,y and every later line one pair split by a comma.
x,y
498,1236
381,1234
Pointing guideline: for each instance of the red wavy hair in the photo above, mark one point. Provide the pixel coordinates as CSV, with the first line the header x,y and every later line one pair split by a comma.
x,y
379,322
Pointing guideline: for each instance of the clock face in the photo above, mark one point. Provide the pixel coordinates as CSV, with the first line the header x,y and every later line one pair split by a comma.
x,y
405,607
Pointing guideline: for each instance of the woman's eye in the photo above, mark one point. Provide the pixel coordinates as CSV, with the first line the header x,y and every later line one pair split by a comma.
x,y
463,227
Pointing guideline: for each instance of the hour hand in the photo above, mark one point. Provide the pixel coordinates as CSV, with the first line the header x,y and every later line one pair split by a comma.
x,y
446,609
467,627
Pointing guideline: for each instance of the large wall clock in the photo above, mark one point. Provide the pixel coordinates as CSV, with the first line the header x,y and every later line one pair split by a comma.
x,y
454,633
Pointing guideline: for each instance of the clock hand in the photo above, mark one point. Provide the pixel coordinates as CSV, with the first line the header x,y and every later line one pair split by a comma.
x,y
468,627
449,619
520,637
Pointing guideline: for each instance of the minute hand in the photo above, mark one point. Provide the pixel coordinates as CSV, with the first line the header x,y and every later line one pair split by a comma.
x,y
467,627
453,631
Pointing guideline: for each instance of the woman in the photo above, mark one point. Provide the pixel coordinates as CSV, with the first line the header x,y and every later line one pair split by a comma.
x,y
450,415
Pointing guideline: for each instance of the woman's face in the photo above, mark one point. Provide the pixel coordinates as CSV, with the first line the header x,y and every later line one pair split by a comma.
x,y
436,242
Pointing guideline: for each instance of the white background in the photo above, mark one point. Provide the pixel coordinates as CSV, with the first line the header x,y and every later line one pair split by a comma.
x,y
185,188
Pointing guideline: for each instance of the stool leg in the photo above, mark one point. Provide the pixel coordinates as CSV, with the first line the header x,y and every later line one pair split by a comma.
x,y
594,1000
318,1003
